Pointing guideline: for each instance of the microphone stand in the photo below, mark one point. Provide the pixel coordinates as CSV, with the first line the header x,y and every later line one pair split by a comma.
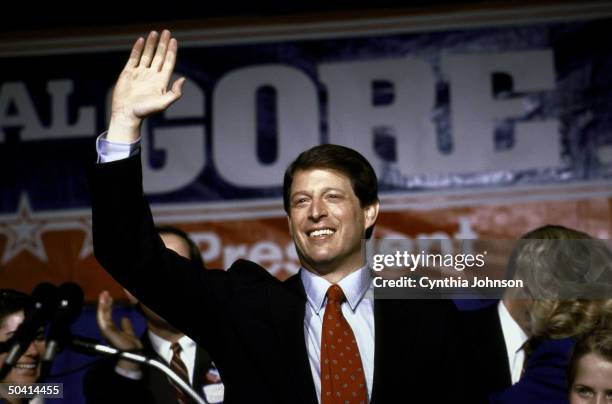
x,y
82,345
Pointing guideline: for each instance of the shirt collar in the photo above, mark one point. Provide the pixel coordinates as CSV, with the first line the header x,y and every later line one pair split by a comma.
x,y
162,346
513,333
354,287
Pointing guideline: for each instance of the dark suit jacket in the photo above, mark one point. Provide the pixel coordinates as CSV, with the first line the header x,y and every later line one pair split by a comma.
x,y
487,358
101,384
544,381
253,324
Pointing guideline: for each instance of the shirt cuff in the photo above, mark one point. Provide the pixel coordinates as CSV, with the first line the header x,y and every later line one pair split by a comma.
x,y
112,151
130,374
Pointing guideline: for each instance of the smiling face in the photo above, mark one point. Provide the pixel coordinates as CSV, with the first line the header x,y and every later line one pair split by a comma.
x,y
327,222
593,382
27,368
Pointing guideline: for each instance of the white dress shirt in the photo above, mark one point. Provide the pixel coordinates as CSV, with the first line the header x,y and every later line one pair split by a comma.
x,y
358,309
112,151
515,338
163,349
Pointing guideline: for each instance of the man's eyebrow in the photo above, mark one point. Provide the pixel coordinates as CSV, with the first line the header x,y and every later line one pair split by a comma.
x,y
327,189
299,192
333,189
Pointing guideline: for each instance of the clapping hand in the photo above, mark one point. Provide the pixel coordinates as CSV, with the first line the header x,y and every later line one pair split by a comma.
x,y
123,338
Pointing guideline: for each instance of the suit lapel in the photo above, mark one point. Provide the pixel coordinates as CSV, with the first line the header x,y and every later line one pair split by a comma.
x,y
379,332
288,308
394,324
486,352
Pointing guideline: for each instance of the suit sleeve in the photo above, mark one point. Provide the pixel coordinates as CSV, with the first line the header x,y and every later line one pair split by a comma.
x,y
102,385
128,247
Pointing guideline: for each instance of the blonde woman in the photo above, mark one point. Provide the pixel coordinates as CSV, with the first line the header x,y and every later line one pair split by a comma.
x,y
567,278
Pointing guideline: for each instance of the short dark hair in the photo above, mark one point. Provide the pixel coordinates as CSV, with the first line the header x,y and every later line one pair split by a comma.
x,y
344,160
13,301
194,252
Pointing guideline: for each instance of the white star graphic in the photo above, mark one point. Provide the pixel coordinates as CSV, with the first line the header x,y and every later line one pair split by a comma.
x,y
24,233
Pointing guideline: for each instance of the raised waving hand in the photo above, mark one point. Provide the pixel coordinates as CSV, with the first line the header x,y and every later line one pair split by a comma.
x,y
143,86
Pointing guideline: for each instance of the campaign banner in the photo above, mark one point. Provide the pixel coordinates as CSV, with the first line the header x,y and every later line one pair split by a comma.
x,y
480,125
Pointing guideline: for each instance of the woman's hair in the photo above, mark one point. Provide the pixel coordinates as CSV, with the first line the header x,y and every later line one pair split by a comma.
x,y
540,254
568,276
12,301
567,318
598,342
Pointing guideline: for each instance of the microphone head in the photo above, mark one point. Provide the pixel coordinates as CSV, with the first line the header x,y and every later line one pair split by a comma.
x,y
70,300
44,298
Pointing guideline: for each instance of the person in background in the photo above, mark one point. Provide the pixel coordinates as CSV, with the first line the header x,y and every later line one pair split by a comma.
x,y
567,294
161,340
14,307
496,334
589,373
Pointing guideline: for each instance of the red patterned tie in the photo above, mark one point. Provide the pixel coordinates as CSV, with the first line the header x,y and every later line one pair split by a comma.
x,y
342,375
178,366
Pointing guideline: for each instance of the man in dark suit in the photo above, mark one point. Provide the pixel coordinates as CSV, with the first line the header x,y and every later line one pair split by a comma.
x,y
273,341
106,378
489,364
160,341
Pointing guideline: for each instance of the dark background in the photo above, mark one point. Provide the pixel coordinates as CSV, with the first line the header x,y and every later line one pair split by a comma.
x,y
18,20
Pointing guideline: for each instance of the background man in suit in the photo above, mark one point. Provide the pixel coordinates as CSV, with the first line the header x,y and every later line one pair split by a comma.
x,y
160,340
319,336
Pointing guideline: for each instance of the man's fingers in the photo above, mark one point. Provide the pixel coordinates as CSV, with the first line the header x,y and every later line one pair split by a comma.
x,y
127,326
149,50
104,301
160,53
170,58
104,312
177,87
136,52
143,87
175,92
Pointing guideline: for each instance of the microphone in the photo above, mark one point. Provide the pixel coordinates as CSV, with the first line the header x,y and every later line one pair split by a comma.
x,y
69,305
90,346
44,296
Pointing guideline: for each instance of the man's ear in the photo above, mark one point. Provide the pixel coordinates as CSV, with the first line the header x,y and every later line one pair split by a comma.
x,y
371,214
